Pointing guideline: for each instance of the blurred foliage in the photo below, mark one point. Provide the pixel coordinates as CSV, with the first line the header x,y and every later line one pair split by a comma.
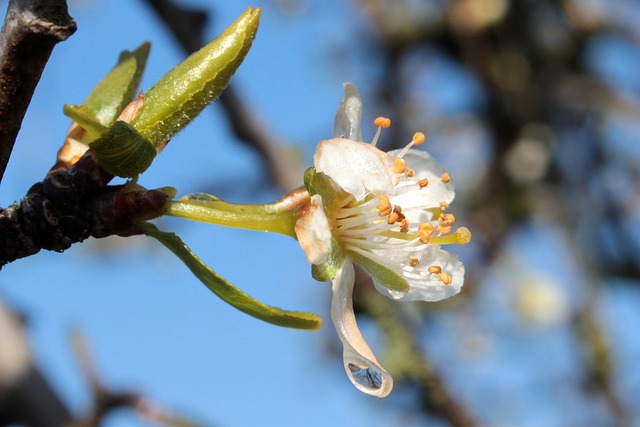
x,y
532,106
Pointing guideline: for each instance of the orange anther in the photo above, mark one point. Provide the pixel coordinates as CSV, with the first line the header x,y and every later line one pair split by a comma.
x,y
425,231
434,269
423,182
444,206
418,138
393,217
409,173
444,229
413,261
399,165
404,225
384,208
447,220
445,178
445,278
382,122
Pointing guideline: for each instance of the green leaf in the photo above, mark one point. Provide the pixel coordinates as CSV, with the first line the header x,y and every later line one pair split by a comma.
x,y
119,87
226,291
122,151
383,275
109,97
181,94
85,118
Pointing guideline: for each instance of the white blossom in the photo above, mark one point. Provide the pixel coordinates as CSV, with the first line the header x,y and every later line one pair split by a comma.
x,y
386,212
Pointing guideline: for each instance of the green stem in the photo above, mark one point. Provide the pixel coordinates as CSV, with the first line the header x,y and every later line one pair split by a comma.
x,y
278,217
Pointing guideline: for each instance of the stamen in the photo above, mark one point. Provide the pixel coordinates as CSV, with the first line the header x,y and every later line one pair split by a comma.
x,y
383,122
423,182
368,244
461,236
445,278
380,122
445,178
393,217
384,208
404,225
447,220
409,173
418,138
444,229
444,206
400,236
425,230
434,269
413,261
399,165
397,216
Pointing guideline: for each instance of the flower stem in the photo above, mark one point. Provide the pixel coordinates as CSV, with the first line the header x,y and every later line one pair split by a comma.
x,y
277,217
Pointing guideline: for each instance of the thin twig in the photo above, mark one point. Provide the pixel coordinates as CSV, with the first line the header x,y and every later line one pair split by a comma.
x,y
106,400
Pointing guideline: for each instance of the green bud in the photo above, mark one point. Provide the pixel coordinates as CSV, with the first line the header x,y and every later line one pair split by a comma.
x,y
122,151
179,96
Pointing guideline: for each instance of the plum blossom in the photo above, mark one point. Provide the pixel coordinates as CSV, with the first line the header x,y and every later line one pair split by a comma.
x,y
387,213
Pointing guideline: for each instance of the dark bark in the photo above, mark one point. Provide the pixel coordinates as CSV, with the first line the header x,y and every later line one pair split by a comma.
x,y
31,30
69,206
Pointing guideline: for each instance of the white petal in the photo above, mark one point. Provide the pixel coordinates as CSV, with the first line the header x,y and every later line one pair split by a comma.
x,y
427,167
424,286
361,365
349,115
356,167
314,232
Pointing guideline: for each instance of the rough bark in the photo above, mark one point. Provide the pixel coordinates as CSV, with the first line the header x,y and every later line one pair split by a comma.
x,y
31,30
69,206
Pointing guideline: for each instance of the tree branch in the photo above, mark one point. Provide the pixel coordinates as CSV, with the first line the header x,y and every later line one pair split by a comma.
x,y
69,206
25,395
31,30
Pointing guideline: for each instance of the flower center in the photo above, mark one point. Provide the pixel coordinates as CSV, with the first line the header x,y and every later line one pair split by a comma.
x,y
376,225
